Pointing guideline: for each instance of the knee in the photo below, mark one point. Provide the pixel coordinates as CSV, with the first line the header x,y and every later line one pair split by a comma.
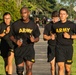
x,y
52,68
20,70
68,70
29,69
61,67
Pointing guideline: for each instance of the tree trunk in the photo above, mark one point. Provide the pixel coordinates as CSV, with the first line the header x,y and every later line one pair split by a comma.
x,y
18,2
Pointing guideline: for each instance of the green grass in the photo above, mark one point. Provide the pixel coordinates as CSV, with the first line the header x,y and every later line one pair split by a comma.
x,y
2,72
74,60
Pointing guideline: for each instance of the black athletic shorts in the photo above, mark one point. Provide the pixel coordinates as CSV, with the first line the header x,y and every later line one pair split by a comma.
x,y
24,53
64,54
4,50
51,52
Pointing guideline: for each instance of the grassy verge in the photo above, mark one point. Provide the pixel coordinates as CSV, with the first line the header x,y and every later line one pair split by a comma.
x,y
2,72
74,60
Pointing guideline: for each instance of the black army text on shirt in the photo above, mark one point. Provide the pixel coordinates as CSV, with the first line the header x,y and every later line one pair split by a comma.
x,y
25,30
48,31
6,38
59,28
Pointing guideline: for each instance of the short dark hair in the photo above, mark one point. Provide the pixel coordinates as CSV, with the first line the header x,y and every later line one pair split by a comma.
x,y
6,13
64,9
55,14
24,7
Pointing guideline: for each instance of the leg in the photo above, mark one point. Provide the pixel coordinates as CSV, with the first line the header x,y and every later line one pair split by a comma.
x,y
52,63
60,59
61,68
69,61
68,69
10,61
51,58
29,67
6,65
4,54
20,68
56,68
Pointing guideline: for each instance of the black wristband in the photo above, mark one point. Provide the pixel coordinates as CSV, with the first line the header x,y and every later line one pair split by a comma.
x,y
5,33
11,50
8,25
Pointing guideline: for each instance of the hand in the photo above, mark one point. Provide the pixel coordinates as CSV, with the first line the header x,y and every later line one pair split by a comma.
x,y
53,36
66,35
32,38
8,30
19,43
3,34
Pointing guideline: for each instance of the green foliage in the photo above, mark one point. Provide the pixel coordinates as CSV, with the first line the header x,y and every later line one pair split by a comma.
x,y
31,5
58,6
43,5
53,2
11,7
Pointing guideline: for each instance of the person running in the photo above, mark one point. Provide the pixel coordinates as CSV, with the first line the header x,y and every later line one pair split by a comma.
x,y
44,21
66,32
6,45
48,36
37,21
24,33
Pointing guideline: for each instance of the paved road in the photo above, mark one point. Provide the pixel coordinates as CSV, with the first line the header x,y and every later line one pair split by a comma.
x,y
41,66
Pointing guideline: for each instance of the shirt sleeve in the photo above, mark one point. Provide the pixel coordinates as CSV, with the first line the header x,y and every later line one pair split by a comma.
x,y
0,28
12,30
74,28
36,32
53,28
46,30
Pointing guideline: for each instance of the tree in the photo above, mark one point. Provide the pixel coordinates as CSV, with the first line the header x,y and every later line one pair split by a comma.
x,y
18,2
38,6
53,2
11,7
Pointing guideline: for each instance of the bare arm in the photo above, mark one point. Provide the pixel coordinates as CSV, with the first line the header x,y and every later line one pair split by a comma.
x,y
73,36
34,39
13,39
68,36
6,32
50,37
18,42
46,37
2,34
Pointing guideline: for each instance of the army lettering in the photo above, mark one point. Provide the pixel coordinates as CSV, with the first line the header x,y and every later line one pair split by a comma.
x,y
59,30
25,30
